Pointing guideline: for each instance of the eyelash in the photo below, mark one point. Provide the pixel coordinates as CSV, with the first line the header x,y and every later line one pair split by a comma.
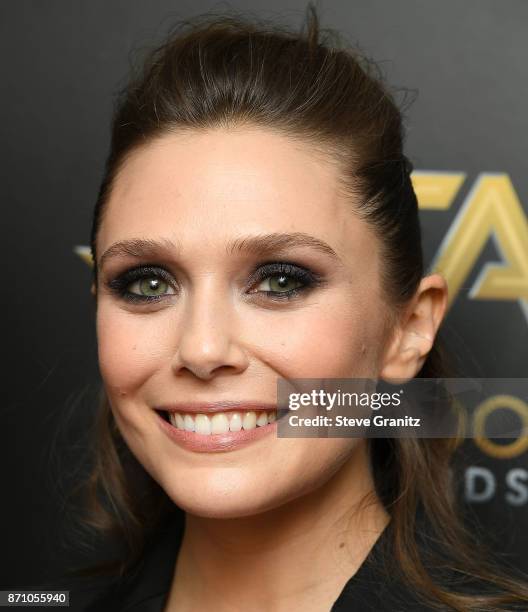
x,y
120,284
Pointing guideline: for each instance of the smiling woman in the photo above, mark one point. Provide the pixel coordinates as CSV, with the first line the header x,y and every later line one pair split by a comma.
x,y
256,221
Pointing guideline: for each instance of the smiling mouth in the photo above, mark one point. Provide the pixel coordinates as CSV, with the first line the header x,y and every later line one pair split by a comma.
x,y
219,422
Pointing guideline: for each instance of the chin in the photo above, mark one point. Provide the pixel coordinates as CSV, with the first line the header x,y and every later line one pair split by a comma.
x,y
225,497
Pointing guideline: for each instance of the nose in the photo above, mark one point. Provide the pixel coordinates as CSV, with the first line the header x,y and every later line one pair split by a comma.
x,y
208,342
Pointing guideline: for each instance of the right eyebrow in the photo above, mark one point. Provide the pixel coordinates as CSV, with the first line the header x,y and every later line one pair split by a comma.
x,y
137,248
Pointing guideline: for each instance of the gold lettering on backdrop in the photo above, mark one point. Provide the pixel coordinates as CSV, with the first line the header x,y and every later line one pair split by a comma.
x,y
485,410
85,253
436,190
472,423
490,210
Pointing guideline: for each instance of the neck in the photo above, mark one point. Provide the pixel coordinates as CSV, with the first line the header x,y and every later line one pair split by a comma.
x,y
299,555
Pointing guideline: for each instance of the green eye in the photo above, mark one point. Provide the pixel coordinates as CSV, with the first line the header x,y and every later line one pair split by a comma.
x,y
282,283
142,285
152,286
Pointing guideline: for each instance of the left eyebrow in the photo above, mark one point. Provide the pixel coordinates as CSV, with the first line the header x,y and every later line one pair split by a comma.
x,y
260,244
266,244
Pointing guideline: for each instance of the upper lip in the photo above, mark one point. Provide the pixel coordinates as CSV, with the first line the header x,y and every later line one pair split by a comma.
x,y
223,406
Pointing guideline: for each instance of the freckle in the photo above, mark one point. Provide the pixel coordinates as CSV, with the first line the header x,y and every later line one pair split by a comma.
x,y
342,545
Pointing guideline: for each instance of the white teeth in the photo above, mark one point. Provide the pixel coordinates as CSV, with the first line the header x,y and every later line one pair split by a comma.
x,y
235,424
221,422
262,419
188,422
249,420
202,424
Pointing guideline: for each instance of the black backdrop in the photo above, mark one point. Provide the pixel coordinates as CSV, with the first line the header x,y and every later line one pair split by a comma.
x,y
63,60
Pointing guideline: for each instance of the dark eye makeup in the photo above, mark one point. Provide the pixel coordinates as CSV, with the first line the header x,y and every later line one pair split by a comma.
x,y
281,274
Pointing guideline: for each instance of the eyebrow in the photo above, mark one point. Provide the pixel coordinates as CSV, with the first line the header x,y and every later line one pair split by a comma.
x,y
261,244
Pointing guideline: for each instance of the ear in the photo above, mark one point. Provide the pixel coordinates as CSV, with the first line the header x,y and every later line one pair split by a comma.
x,y
414,334
93,290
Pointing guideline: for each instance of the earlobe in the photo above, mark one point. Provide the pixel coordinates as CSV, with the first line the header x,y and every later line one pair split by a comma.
x,y
416,331
93,290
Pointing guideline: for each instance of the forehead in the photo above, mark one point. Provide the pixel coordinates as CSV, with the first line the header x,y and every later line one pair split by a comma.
x,y
215,183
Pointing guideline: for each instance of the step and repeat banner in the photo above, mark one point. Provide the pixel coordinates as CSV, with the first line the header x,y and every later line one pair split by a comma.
x,y
463,63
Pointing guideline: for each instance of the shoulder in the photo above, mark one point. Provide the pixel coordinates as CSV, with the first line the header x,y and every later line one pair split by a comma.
x,y
380,585
377,585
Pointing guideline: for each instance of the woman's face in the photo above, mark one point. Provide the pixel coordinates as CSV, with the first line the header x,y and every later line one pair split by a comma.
x,y
206,213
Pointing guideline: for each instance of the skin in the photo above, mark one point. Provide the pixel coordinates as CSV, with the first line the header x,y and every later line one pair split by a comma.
x,y
289,509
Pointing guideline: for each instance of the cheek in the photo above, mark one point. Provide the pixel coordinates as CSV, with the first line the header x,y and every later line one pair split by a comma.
x,y
333,342
131,347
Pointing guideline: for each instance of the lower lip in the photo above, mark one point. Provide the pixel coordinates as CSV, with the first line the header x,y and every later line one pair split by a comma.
x,y
215,443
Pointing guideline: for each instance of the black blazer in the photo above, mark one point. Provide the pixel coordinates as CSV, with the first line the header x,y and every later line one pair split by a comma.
x,y
372,588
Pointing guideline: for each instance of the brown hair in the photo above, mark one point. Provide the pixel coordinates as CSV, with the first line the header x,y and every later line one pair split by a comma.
x,y
225,71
